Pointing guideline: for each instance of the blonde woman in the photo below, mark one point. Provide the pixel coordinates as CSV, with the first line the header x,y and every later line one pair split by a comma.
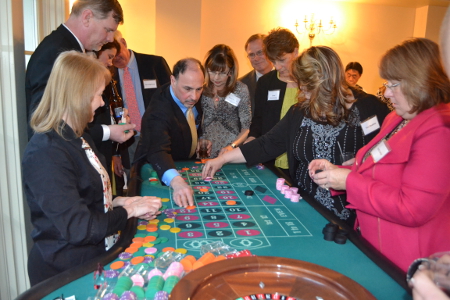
x,y
66,185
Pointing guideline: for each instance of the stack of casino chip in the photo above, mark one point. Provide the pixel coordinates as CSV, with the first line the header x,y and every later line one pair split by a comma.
x,y
123,284
155,284
288,192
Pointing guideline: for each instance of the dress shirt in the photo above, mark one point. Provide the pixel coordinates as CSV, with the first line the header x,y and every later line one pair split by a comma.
x,y
135,78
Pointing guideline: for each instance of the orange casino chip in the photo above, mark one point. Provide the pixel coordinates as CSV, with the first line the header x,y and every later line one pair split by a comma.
x,y
136,245
231,202
137,260
150,238
168,249
117,265
191,207
131,250
152,229
185,169
152,225
138,239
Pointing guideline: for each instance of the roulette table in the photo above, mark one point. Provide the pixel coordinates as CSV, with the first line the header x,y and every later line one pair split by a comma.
x,y
285,237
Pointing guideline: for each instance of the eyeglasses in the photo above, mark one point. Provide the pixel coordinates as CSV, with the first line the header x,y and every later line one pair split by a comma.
x,y
386,85
253,55
212,74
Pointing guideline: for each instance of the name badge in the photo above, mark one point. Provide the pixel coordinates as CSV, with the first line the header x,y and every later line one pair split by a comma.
x,y
150,84
273,95
380,151
370,125
233,99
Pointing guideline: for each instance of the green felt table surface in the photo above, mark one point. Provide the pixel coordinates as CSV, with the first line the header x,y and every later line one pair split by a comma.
x,y
286,229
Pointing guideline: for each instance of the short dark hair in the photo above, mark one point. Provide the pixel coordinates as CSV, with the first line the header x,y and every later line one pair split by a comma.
x,y
354,65
217,60
181,66
100,8
256,36
278,42
111,45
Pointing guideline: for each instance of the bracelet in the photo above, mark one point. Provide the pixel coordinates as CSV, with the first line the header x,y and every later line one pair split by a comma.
x,y
233,145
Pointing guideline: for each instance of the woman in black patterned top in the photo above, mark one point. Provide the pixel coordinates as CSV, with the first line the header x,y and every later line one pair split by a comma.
x,y
325,123
225,102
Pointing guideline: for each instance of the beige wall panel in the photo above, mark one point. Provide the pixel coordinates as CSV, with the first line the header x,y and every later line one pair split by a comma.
x,y
139,25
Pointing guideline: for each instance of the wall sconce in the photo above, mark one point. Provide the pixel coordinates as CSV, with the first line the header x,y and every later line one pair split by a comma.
x,y
313,27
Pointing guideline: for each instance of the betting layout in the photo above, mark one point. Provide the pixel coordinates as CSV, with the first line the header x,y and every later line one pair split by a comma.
x,y
225,210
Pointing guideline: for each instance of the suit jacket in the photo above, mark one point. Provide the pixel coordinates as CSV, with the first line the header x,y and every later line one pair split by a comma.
x,y
103,116
65,196
150,67
267,113
402,202
165,132
40,67
250,80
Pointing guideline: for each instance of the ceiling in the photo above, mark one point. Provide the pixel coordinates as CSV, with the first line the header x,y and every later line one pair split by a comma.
x,y
406,3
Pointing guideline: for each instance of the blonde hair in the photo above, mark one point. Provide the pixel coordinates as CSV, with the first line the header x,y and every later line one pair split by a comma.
x,y
320,70
417,64
72,84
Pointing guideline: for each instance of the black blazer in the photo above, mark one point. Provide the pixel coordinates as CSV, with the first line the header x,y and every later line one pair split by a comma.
x,y
165,133
103,116
40,67
280,138
65,196
250,80
150,67
267,113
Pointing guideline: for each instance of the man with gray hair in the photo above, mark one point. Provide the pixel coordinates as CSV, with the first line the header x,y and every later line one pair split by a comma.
x,y
91,24
260,63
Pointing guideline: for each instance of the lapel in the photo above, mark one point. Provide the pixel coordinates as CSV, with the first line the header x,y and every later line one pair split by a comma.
x,y
180,119
391,121
400,144
69,36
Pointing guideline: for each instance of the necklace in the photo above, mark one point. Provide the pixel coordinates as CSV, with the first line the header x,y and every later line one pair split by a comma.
x,y
398,128
216,98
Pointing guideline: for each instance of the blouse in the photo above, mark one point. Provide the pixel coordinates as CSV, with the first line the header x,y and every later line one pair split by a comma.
x,y
224,120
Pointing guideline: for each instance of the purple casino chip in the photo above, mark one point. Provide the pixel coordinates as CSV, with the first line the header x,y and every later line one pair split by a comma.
x,y
128,295
161,295
147,259
111,273
125,255
110,296
142,223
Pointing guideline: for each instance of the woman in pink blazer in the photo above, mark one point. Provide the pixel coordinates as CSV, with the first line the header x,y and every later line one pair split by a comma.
x,y
399,183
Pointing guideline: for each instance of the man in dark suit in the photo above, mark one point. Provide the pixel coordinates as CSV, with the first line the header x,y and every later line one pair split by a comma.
x,y
147,73
166,134
90,25
260,63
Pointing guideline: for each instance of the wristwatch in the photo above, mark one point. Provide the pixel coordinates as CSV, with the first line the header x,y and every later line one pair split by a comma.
x,y
233,145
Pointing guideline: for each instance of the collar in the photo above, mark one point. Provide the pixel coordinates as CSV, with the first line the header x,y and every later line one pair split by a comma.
x,y
258,75
81,45
177,101
132,63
